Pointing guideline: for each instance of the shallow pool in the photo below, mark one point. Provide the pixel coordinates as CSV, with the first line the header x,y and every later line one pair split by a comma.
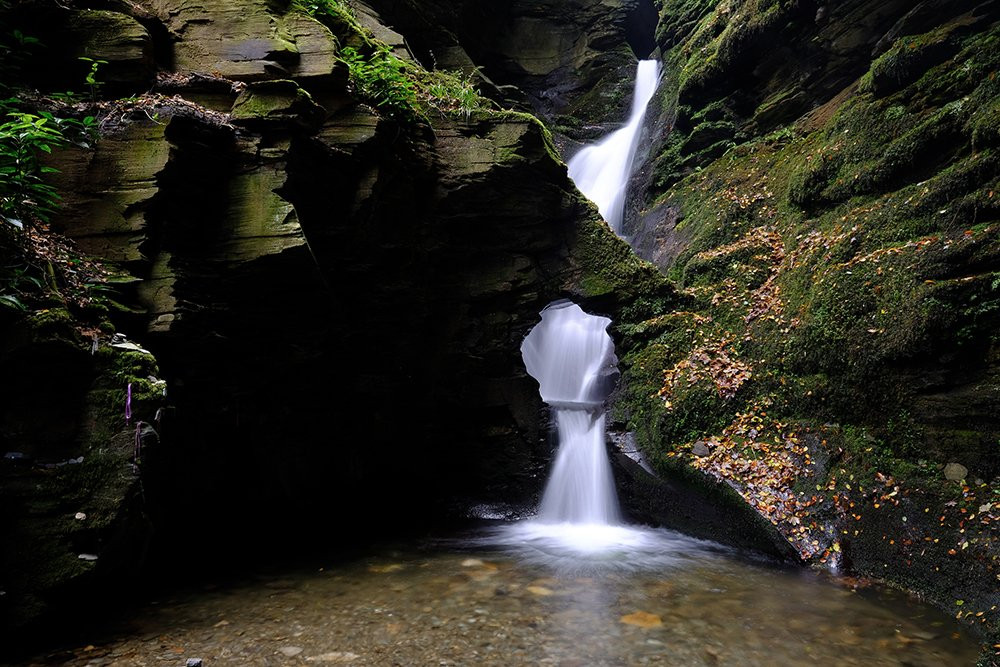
x,y
521,596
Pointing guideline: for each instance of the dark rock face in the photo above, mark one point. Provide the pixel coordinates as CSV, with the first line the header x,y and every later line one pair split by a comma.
x,y
360,325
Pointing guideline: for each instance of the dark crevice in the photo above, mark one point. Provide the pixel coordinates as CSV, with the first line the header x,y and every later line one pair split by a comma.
x,y
640,28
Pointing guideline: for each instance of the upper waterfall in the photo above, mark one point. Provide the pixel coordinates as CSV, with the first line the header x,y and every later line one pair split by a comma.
x,y
602,170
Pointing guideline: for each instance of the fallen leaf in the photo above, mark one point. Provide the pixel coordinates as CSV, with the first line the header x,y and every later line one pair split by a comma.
x,y
642,619
383,569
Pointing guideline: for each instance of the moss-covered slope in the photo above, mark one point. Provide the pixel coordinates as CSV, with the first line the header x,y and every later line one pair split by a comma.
x,y
828,201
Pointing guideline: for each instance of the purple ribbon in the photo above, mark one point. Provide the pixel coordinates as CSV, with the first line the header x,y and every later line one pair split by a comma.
x,y
128,404
137,447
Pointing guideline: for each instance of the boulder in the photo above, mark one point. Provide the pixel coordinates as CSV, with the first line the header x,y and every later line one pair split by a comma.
x,y
955,472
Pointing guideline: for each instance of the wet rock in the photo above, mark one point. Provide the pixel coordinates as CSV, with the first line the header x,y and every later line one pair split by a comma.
x,y
89,487
194,662
955,472
369,18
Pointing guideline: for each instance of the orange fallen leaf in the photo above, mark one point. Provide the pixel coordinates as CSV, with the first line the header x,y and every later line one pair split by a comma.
x,y
383,569
642,619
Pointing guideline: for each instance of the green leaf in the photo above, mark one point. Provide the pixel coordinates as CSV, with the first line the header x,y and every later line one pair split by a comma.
x,y
11,301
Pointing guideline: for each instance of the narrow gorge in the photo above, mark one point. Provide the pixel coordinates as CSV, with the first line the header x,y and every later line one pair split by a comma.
x,y
605,332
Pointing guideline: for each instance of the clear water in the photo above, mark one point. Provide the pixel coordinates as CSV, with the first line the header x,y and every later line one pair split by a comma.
x,y
602,170
664,600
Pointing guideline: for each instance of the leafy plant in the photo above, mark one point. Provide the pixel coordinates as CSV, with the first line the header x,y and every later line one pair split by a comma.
x,y
15,282
24,137
454,91
11,301
328,8
91,78
68,97
16,50
381,80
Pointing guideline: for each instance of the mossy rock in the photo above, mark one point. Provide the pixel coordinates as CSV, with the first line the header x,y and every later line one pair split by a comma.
x,y
908,59
276,103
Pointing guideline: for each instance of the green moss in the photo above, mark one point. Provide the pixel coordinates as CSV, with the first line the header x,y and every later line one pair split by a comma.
x,y
908,59
718,47
337,16
850,260
679,18
639,406
50,321
270,99
890,187
610,267
984,125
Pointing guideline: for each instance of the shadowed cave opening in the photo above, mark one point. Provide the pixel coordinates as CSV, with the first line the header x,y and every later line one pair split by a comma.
x,y
640,28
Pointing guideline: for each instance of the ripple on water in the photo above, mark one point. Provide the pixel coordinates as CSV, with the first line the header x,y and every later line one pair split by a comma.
x,y
575,546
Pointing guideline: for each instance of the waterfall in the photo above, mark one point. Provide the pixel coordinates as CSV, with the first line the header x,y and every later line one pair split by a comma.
x,y
602,170
572,356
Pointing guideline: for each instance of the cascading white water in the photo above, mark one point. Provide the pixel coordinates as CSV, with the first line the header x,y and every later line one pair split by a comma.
x,y
572,356
580,488
602,170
